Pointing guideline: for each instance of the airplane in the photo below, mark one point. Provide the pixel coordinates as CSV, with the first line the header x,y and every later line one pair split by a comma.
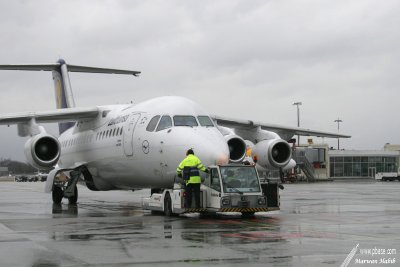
x,y
135,146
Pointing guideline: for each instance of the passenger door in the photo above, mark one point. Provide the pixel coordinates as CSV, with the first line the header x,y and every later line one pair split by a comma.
x,y
128,134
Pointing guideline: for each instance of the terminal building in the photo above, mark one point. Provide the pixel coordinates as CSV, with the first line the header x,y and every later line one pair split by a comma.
x,y
319,162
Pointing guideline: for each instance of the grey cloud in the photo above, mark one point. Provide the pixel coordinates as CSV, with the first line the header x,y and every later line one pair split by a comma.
x,y
246,59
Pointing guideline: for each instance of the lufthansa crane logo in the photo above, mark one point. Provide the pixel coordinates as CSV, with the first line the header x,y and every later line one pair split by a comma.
x,y
145,147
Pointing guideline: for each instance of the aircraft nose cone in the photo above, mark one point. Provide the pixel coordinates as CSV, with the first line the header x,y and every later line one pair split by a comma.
x,y
216,154
212,151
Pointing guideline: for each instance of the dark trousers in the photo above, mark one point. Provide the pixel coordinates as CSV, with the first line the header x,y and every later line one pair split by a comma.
x,y
192,189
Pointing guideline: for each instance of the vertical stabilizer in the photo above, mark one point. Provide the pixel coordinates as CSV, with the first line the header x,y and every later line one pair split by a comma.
x,y
63,92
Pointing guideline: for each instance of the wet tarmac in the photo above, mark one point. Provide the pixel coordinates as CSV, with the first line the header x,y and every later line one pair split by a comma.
x,y
319,225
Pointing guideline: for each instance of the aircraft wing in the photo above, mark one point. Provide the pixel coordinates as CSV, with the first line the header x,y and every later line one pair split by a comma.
x,y
58,115
283,131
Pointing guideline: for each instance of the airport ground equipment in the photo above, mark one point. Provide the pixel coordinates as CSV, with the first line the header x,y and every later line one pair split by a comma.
x,y
388,176
226,188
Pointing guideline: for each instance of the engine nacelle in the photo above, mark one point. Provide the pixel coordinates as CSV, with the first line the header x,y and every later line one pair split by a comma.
x,y
237,147
274,153
292,163
42,151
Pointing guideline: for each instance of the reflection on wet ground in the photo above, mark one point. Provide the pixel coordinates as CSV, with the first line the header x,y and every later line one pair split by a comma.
x,y
319,225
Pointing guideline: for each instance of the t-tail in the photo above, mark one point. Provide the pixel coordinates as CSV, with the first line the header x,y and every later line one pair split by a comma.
x,y
62,84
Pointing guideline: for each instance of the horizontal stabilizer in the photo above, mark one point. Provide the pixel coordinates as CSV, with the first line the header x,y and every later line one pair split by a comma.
x,y
71,68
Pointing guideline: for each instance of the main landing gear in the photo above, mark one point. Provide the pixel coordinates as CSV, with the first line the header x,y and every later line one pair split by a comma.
x,y
65,187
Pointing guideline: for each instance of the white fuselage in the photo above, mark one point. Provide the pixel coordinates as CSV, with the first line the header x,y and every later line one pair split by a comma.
x,y
121,153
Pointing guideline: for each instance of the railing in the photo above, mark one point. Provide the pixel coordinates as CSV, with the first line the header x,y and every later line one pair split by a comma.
x,y
305,166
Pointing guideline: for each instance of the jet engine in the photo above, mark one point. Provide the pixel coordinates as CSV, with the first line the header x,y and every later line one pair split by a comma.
x,y
237,147
273,153
42,151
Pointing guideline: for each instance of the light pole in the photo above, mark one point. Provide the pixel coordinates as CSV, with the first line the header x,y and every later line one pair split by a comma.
x,y
338,122
298,119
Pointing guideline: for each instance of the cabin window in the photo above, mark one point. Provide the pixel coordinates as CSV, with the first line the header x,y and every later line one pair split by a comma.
x,y
185,121
205,121
153,123
165,123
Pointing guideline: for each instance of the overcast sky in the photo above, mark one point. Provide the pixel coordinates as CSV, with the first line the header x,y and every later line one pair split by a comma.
x,y
242,59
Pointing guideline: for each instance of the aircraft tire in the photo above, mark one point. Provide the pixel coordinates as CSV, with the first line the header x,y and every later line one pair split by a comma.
x,y
74,199
57,194
167,205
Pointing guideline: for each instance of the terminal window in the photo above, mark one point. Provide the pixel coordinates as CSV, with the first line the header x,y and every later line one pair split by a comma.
x,y
361,166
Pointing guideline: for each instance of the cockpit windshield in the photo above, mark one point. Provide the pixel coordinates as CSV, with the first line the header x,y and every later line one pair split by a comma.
x,y
239,179
205,121
185,121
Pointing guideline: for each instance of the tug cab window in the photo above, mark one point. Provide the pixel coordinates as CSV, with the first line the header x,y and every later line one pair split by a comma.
x,y
153,123
215,180
205,121
165,123
185,121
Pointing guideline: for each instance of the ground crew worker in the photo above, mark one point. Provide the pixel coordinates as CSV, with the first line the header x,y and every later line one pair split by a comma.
x,y
188,169
231,179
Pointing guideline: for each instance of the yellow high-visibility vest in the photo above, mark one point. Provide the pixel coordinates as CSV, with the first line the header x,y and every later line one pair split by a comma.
x,y
191,161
